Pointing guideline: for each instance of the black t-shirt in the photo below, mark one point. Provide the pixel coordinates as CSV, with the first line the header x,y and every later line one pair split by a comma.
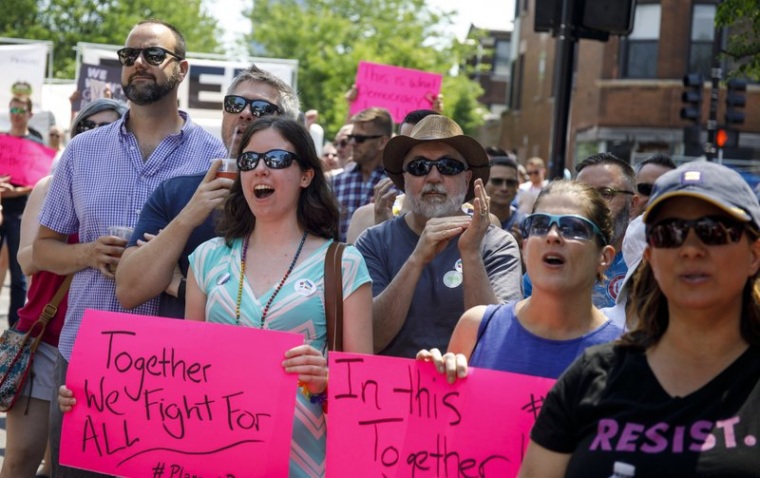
x,y
609,406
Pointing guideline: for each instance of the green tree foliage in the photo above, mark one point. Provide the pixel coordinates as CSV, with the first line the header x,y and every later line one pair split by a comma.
x,y
330,37
743,19
67,22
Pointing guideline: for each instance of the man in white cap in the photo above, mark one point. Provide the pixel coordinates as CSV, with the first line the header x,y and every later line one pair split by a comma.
x,y
433,263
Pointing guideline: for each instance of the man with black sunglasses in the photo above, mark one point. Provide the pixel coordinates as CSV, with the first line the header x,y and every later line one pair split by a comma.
x,y
354,187
647,173
182,207
105,176
502,187
434,262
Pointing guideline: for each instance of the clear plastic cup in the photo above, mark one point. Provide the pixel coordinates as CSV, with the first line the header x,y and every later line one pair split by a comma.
x,y
228,169
122,232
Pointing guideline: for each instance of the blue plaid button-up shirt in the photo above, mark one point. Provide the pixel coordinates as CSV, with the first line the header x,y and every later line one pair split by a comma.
x,y
352,192
102,181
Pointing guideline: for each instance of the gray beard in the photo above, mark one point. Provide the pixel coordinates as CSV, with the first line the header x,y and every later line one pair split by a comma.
x,y
450,206
149,94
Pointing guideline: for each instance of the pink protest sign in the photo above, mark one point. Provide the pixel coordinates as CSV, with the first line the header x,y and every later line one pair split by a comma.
x,y
399,90
24,160
174,398
392,417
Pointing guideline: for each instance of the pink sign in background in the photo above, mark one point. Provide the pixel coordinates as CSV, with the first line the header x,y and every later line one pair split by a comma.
x,y
171,398
25,161
392,417
399,90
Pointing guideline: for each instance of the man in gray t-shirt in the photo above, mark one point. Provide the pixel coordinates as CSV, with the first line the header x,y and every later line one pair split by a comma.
x,y
435,262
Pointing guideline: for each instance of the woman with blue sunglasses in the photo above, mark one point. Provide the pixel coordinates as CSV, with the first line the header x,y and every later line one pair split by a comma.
x,y
267,269
565,252
678,396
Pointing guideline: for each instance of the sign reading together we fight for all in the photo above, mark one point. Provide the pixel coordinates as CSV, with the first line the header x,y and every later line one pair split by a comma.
x,y
171,398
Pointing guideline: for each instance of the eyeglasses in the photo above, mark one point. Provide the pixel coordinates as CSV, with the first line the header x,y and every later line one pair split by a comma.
x,y
711,230
274,159
18,111
499,182
343,143
360,138
87,125
645,189
570,226
532,173
445,166
610,193
235,104
154,55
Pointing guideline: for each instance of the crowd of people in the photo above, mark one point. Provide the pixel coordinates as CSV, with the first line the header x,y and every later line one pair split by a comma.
x,y
635,287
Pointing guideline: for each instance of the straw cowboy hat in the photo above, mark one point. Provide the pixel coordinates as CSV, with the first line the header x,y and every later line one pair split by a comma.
x,y
440,129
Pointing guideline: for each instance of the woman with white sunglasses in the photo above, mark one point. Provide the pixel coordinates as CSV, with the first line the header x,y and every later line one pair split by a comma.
x,y
565,252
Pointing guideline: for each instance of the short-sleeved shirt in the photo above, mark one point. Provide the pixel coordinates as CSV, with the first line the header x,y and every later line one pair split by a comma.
x,y
298,307
606,291
504,344
515,219
101,181
352,192
165,204
438,300
609,407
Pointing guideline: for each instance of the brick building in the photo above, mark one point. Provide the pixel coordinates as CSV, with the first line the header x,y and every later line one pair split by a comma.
x,y
626,95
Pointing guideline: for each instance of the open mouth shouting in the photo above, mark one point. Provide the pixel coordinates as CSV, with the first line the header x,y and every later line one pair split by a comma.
x,y
263,191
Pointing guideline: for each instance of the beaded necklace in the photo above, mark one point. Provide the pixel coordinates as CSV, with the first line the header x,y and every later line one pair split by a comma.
x,y
277,289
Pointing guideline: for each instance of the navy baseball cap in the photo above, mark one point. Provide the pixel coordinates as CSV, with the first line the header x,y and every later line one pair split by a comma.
x,y
713,183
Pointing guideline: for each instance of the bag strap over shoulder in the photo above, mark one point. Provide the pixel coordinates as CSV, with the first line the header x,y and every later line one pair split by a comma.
x,y
334,295
48,312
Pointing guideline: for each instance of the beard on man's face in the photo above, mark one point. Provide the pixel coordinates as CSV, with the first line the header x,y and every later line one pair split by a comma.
x,y
431,207
148,93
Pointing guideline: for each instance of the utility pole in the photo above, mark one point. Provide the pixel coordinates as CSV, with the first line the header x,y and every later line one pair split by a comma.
x,y
563,68
716,74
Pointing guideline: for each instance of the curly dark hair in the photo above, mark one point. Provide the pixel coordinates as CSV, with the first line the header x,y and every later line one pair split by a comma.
x,y
317,210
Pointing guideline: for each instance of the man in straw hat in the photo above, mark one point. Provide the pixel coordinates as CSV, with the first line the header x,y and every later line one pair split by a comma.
x,y
433,263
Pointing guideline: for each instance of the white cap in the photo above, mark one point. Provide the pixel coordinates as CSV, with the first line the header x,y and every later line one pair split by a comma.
x,y
634,243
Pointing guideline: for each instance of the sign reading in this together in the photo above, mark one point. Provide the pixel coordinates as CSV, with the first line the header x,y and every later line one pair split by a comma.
x,y
174,398
24,160
399,90
392,417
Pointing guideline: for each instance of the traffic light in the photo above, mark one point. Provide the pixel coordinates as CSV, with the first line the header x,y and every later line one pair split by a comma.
x,y
692,97
727,138
735,99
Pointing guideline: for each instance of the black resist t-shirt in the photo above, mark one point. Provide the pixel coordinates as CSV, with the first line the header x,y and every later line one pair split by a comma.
x,y
610,407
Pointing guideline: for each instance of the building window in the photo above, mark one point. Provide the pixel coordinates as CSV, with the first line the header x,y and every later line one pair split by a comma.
x,y
501,60
641,46
515,101
702,35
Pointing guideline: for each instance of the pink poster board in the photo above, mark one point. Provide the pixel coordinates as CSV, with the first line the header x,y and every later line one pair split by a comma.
x,y
392,417
170,398
399,90
25,161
